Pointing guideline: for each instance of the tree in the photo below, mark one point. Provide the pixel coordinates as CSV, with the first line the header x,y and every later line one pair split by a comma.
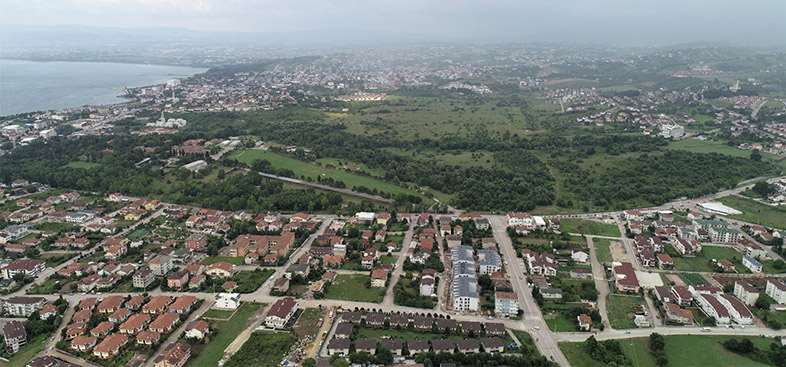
x,y
656,342
309,362
32,252
763,303
756,155
763,188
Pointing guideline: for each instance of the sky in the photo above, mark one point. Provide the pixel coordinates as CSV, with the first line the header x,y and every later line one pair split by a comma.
x,y
631,22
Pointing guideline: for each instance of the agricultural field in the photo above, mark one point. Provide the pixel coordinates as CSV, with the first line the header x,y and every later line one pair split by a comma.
x,y
755,212
582,226
354,288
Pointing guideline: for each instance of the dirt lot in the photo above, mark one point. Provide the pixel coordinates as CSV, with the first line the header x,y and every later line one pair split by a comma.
x,y
618,251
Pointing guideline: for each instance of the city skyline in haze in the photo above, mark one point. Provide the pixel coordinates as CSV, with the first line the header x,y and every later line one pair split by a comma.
x,y
659,23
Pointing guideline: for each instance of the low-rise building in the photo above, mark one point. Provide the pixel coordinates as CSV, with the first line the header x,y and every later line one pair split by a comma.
x,y
281,313
173,355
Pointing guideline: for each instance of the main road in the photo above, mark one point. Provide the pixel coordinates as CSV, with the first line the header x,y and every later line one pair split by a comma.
x,y
544,338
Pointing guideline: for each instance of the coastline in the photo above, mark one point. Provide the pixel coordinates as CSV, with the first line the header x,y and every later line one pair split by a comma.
x,y
37,86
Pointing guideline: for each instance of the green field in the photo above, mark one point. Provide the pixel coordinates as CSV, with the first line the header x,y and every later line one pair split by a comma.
x,y
139,233
403,334
702,263
250,281
559,323
354,288
681,350
309,170
695,279
620,309
392,259
755,212
83,165
235,260
768,266
708,146
572,225
227,332
603,249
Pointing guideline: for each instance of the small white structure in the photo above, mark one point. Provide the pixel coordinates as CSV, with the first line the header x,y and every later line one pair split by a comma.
x,y
195,166
227,301
365,216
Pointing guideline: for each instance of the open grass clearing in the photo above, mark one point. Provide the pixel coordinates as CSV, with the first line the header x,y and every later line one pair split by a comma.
x,y
354,287
681,350
756,212
573,225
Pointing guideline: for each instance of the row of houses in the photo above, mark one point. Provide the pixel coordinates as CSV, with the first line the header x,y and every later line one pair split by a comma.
x,y
127,318
415,346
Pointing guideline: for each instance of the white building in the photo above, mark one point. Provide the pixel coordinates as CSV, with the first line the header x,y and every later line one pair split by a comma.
x,y
520,219
195,166
747,293
776,289
751,263
227,301
580,256
465,294
718,208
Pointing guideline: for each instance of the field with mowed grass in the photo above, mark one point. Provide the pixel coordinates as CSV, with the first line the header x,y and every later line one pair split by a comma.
x,y
303,169
681,350
573,225
756,212
354,287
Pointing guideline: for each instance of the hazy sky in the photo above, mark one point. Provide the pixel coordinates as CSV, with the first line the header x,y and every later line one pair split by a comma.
x,y
624,21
